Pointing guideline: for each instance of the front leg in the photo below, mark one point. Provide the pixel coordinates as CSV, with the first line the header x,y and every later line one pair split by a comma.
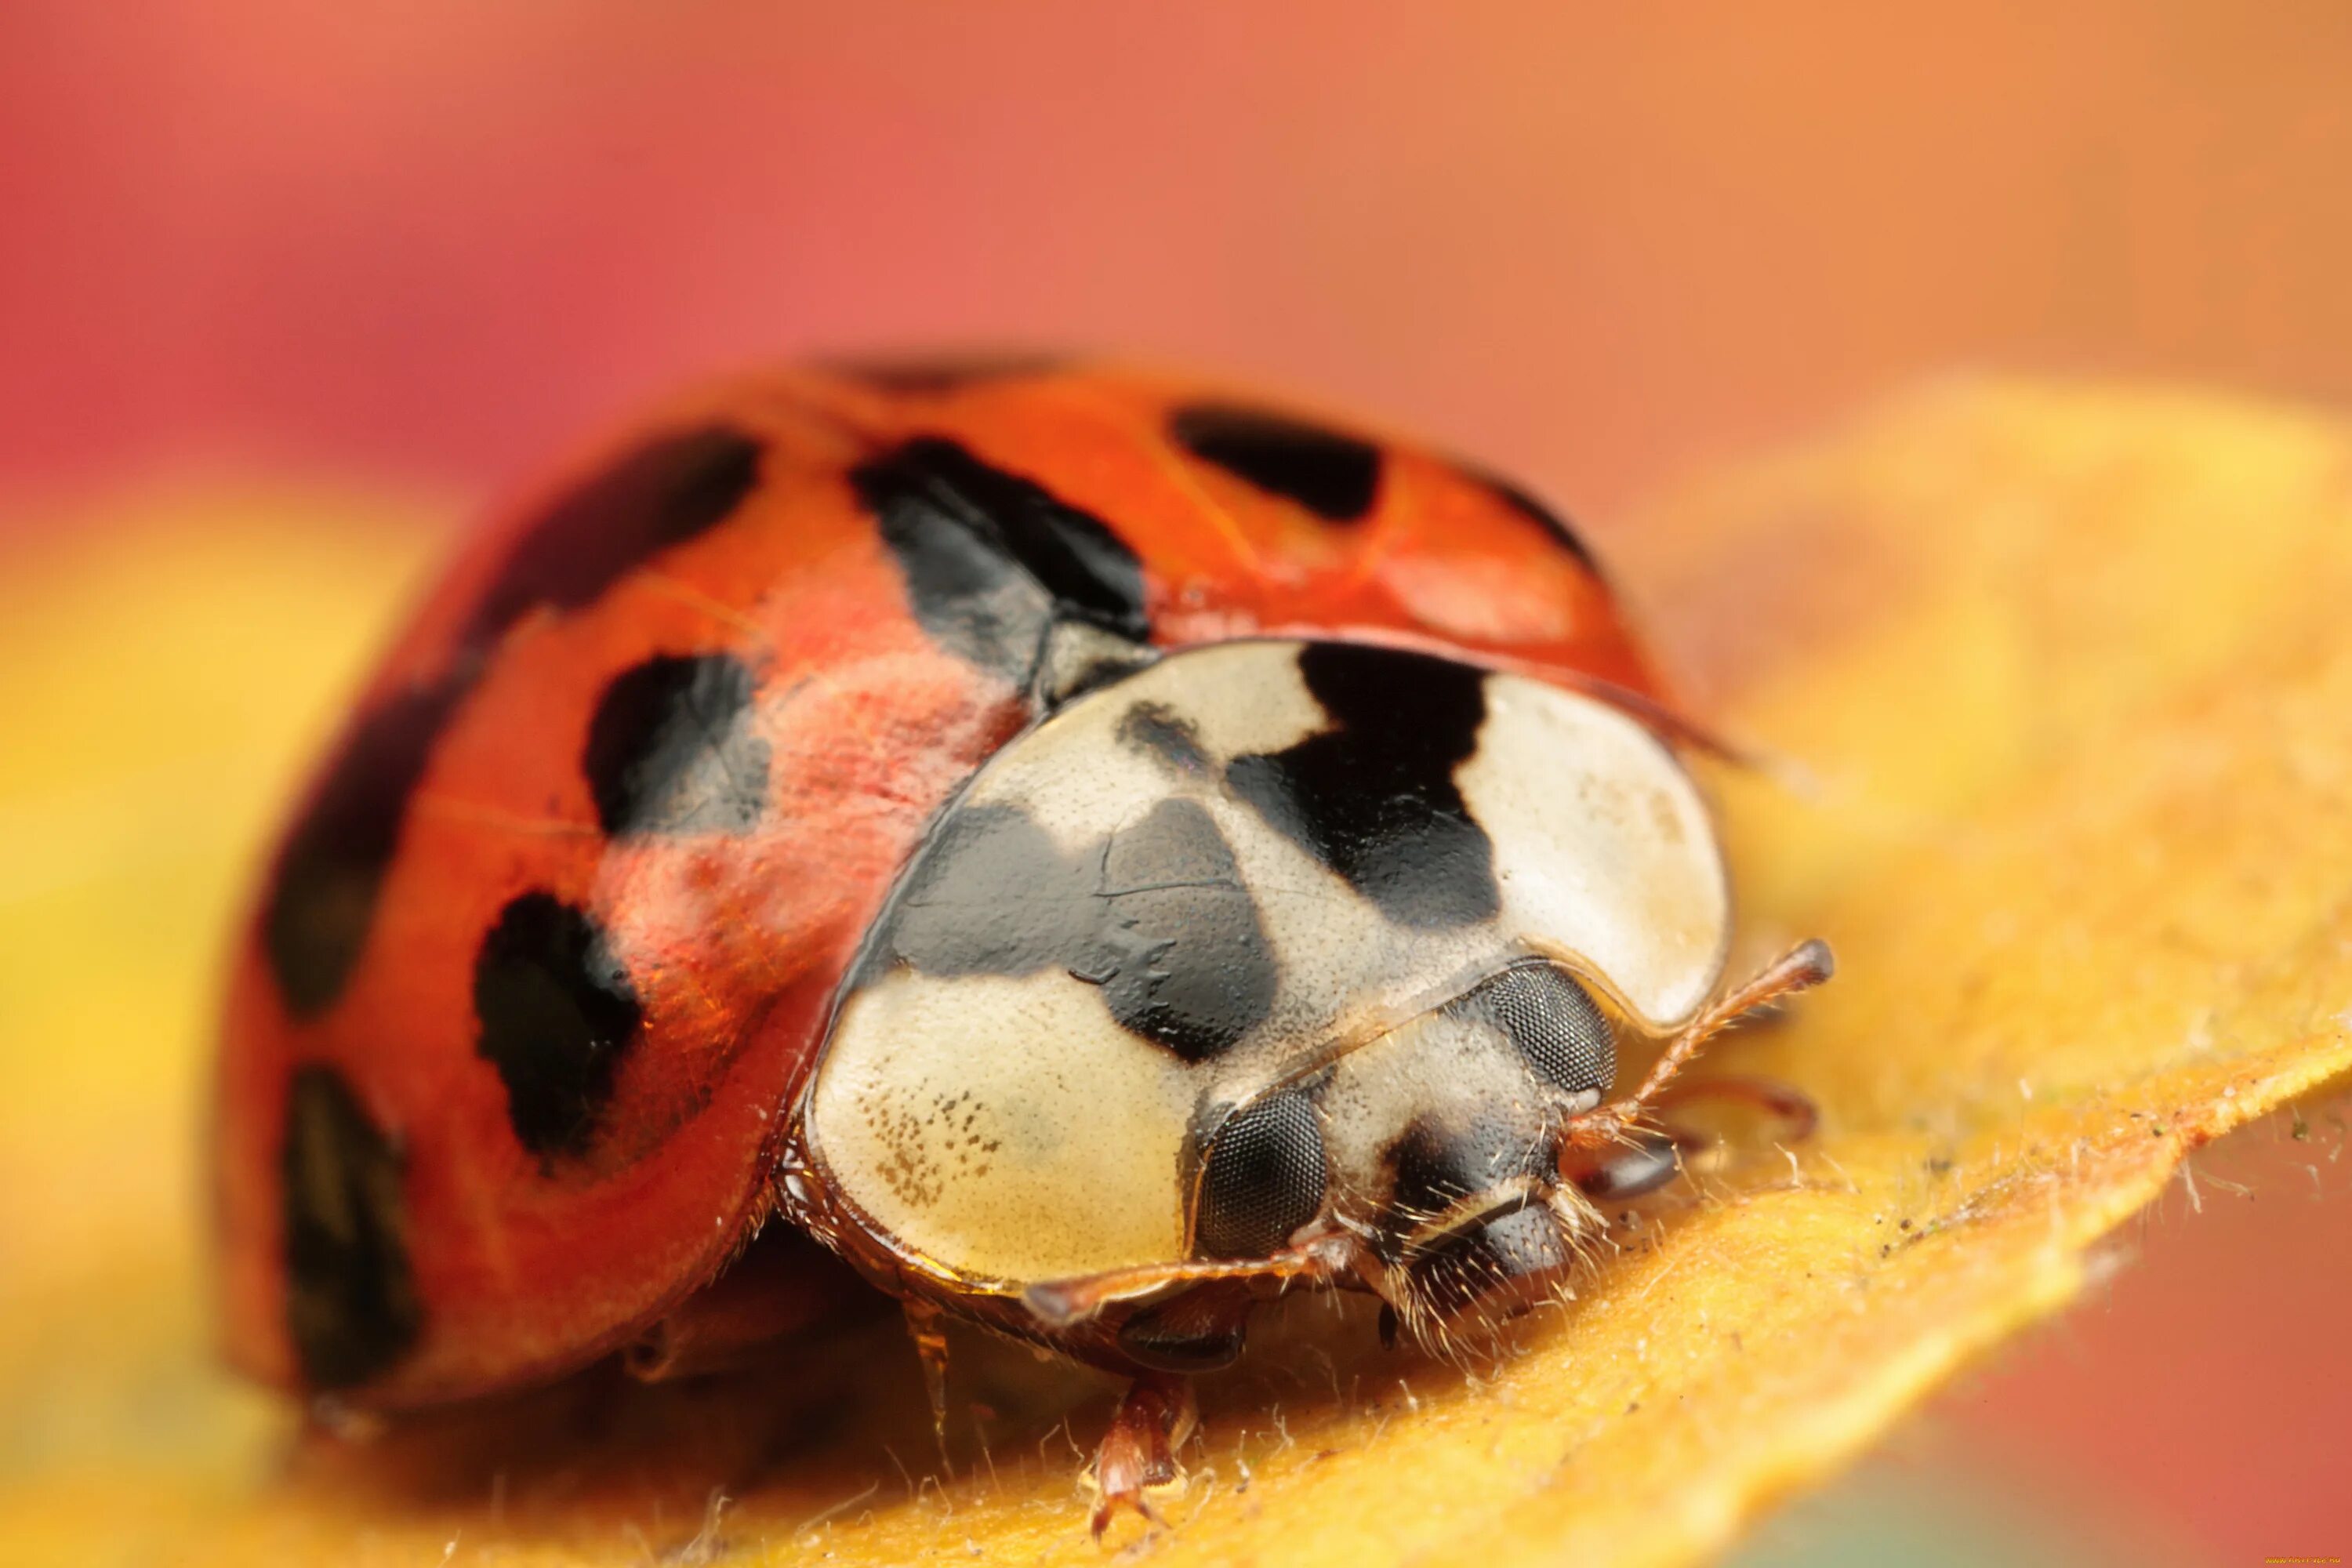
x,y
1137,1459
1644,1159
1641,1162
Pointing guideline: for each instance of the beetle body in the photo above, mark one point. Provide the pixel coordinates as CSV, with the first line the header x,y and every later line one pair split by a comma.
x,y
1081,845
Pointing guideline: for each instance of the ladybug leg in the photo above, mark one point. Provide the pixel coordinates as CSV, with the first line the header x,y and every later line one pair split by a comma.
x,y
927,1326
1792,1105
1059,1303
1644,1160
1647,1158
1608,1126
785,1284
1136,1458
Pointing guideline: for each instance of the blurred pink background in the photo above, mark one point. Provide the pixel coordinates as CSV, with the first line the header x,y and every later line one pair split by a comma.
x,y
444,237
429,244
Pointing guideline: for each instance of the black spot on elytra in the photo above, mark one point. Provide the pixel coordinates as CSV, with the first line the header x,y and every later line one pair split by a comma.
x,y
944,373
1264,1178
992,559
672,488
1156,915
671,749
1374,796
1535,512
1334,475
351,1307
1181,955
322,899
1159,730
321,904
557,1012
1553,1022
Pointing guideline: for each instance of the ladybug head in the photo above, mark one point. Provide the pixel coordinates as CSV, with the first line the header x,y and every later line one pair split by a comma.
x,y
1437,1145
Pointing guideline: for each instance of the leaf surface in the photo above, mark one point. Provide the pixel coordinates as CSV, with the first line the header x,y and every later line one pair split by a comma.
x,y
2057,677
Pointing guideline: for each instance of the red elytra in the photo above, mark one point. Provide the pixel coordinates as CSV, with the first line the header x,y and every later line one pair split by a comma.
x,y
413,1208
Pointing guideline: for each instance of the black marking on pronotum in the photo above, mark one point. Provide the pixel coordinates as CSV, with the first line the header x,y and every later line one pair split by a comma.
x,y
1180,952
1535,512
944,373
671,748
1156,915
1374,796
992,559
351,1307
1334,475
557,1013
1263,1177
1552,1020
322,899
322,904
990,894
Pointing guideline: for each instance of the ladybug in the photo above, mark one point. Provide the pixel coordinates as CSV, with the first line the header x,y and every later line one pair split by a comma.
x,y
1090,850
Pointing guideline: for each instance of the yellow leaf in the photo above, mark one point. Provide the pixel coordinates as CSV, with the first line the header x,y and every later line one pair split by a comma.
x,y
2060,678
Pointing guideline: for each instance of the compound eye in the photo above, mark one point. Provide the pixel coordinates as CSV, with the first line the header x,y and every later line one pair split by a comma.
x,y
1264,1177
1556,1026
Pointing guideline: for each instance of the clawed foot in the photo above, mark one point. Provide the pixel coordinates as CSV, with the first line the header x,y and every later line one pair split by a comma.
x,y
1136,1466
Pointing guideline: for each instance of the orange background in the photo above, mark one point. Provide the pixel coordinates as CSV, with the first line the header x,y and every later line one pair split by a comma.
x,y
441,237
1605,247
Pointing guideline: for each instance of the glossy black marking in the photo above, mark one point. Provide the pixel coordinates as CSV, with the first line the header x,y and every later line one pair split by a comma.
x,y
557,1013
945,372
1156,915
351,1308
991,894
1334,475
1374,796
672,488
672,748
322,897
1159,730
992,559
1264,1178
1646,1162
1180,954
1535,512
322,901
1552,1020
